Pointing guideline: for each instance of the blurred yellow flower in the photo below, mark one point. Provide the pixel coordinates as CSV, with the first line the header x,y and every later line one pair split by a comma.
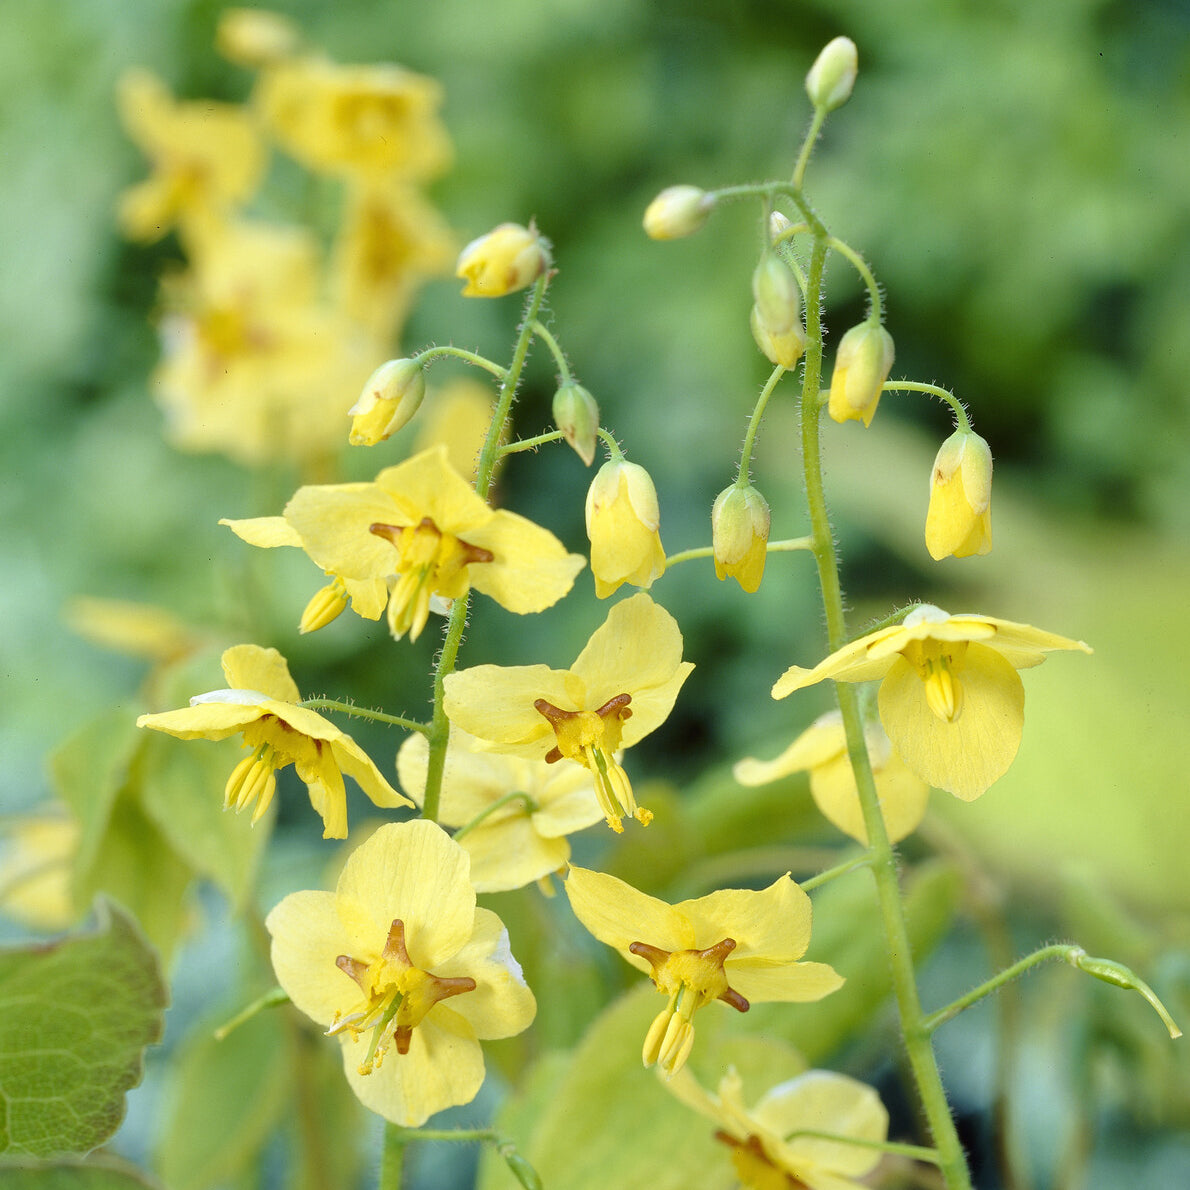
x,y
457,415
505,259
621,687
379,120
736,945
261,703
207,157
515,813
424,527
950,699
622,523
399,958
821,750
137,629
254,37
39,853
254,363
959,520
766,1150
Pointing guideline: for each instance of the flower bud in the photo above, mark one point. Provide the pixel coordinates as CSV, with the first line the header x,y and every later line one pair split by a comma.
x,y
390,398
832,76
784,349
778,225
622,523
778,299
326,605
508,258
577,415
739,534
959,520
251,37
676,212
862,365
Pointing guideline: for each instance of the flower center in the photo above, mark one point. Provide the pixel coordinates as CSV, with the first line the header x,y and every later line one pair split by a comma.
x,y
429,562
938,664
592,738
393,990
691,978
274,745
753,1167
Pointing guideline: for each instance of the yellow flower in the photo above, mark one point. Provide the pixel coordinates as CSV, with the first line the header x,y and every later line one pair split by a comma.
x,y
516,812
822,751
622,523
398,958
736,945
740,532
137,629
252,37
959,520
261,702
951,700
507,258
621,687
206,157
862,365
254,363
39,854
423,526
378,121
765,1149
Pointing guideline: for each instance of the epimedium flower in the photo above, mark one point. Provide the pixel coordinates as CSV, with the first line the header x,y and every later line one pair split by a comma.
x,y
766,1150
505,259
401,966
622,523
950,699
513,813
261,702
740,946
959,519
621,687
423,529
821,750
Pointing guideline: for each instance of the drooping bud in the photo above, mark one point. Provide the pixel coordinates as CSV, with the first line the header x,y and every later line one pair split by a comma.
x,y
390,398
676,212
785,348
778,299
622,523
507,258
577,415
832,76
739,534
959,520
862,365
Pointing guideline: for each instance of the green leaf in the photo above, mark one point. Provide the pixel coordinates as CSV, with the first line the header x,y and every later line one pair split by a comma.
x,y
229,1096
182,792
75,1018
631,1132
104,1173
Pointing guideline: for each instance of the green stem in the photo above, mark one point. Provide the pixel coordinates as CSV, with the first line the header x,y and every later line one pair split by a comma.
x,y
346,708
438,734
530,807
511,448
788,545
918,1046
434,353
803,158
613,447
770,386
392,1156
917,1152
460,1134
271,999
861,267
885,622
961,420
860,861
543,333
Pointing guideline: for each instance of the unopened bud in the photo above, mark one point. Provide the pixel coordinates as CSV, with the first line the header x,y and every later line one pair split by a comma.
x,y
622,524
251,37
959,520
862,365
778,299
832,76
784,349
577,415
739,535
390,398
520,1168
676,212
778,225
507,258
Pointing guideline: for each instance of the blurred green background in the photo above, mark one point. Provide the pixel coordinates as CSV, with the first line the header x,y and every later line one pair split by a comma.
x,y
1017,174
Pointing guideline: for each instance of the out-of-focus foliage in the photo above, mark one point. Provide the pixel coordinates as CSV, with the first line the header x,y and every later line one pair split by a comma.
x,y
1015,175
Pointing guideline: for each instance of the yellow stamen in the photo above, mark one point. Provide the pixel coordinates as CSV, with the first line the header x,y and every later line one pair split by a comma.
x,y
326,605
938,664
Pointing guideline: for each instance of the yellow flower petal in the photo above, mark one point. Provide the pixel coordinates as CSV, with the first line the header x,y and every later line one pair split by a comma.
x,y
967,755
903,797
511,854
774,922
618,914
206,721
428,482
495,703
308,936
333,522
249,667
790,983
267,532
531,570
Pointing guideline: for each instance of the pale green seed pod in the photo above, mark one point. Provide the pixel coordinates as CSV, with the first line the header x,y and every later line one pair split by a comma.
x,y
577,415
